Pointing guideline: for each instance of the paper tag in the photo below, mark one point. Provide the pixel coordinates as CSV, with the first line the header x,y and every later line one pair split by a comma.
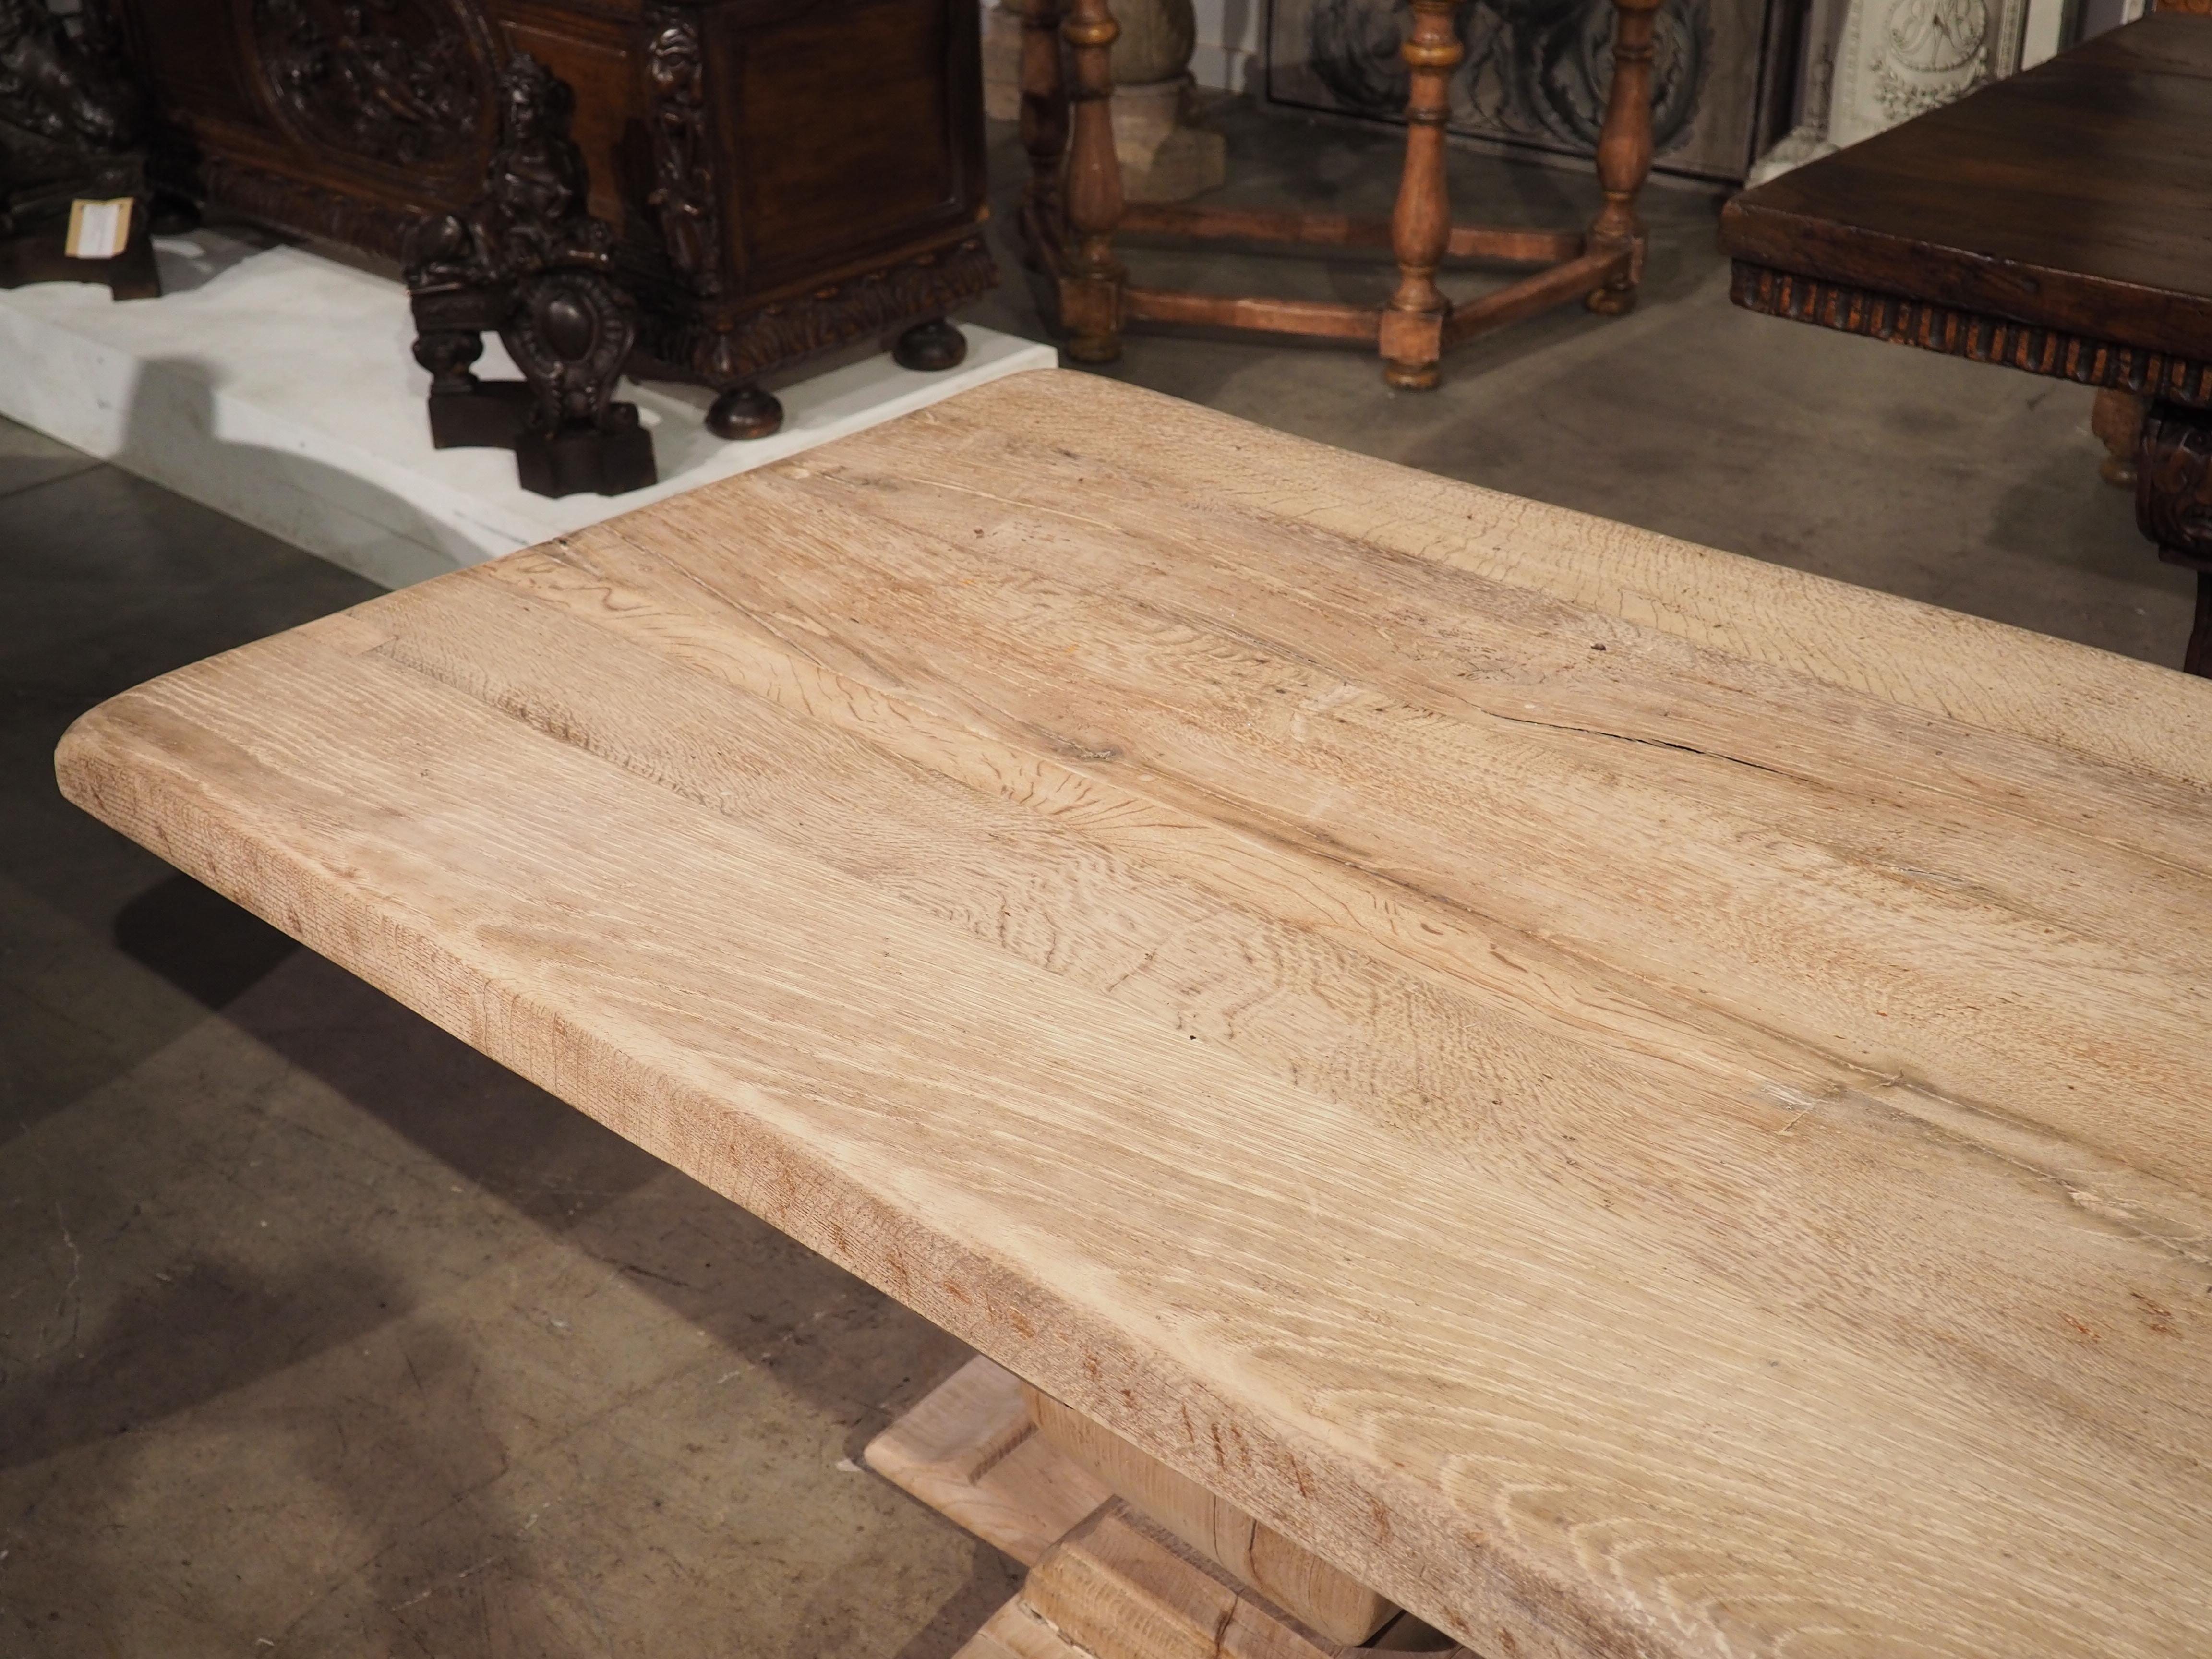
x,y
99,230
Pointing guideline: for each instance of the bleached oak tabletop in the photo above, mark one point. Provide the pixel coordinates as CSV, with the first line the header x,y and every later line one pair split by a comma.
x,y
1640,1101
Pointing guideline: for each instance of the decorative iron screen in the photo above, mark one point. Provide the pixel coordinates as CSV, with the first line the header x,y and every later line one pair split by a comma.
x,y
1536,72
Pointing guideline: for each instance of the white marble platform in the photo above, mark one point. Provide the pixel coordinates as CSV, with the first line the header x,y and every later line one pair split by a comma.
x,y
278,385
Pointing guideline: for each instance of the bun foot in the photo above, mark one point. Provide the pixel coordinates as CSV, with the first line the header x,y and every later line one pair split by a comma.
x,y
1092,347
1412,377
932,347
1612,301
745,412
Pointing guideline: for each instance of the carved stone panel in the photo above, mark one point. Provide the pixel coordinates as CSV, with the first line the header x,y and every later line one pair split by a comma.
x,y
1899,59
405,84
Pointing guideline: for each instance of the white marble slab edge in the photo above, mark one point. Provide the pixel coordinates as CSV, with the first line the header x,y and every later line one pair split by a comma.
x,y
276,386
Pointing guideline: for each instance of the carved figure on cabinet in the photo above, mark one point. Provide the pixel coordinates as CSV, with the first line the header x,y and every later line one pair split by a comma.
x,y
359,118
685,199
721,350
527,260
684,175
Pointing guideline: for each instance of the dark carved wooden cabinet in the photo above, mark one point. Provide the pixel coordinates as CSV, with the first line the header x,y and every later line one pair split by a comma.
x,y
784,177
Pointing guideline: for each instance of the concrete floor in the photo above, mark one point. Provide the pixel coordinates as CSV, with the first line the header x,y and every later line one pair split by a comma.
x,y
321,1335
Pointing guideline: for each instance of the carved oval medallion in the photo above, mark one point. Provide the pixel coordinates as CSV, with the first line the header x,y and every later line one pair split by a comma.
x,y
1937,36
404,82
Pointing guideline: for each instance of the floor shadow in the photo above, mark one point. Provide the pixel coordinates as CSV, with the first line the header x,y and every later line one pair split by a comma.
x,y
171,437
209,1328
720,1269
989,1586
215,1337
199,941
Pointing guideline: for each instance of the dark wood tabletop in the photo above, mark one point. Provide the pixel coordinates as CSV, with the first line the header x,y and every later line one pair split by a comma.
x,y
2059,221
2074,199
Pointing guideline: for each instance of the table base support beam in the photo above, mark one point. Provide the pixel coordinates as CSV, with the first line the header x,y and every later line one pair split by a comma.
x,y
1106,1581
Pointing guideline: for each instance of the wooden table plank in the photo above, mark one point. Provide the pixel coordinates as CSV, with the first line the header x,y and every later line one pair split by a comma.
x,y
2071,196
1692,1147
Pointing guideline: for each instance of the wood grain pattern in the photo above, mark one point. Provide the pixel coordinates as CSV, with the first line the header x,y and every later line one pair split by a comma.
x,y
1636,1102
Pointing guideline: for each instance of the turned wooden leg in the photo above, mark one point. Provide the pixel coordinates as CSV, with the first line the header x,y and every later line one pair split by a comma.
x,y
2174,507
450,355
2117,418
1091,284
1413,322
2198,657
1623,153
1044,129
466,413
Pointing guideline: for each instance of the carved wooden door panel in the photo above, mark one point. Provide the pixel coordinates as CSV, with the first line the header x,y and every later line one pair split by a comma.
x,y
784,177
399,84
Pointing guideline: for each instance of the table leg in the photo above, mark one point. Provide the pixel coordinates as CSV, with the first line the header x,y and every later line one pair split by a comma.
x,y
2174,507
1044,129
1127,1560
1413,328
2198,660
1623,153
2117,418
1090,286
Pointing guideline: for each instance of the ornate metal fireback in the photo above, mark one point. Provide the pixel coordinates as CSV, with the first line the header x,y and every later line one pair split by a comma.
x,y
404,82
